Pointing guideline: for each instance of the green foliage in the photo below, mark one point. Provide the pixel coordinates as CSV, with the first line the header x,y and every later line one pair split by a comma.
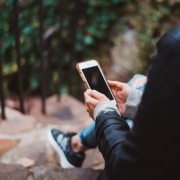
x,y
150,18
154,18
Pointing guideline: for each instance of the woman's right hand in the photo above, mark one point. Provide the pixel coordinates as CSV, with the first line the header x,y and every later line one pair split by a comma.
x,y
121,92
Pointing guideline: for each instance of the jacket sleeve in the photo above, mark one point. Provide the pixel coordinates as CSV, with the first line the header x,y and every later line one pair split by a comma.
x,y
152,147
132,103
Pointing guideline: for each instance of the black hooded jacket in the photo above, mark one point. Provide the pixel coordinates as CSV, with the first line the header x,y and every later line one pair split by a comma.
x,y
151,150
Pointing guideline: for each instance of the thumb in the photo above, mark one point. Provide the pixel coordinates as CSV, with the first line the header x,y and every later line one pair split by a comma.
x,y
95,94
89,98
116,84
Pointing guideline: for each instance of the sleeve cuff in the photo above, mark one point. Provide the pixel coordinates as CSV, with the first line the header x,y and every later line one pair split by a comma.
x,y
132,103
104,107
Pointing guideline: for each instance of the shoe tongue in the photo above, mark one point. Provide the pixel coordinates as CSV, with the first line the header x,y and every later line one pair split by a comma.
x,y
62,140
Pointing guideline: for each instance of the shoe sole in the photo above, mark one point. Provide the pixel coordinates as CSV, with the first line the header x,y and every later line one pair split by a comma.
x,y
63,160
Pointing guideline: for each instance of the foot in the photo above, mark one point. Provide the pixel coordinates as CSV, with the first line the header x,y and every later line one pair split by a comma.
x,y
62,144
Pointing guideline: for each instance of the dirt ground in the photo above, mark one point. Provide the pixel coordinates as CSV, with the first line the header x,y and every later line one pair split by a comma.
x,y
25,152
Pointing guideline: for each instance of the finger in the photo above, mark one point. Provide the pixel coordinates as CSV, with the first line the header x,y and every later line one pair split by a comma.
x,y
95,94
116,84
116,95
87,109
89,99
119,108
114,92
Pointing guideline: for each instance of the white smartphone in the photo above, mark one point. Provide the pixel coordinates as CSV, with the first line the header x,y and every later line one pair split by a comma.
x,y
94,79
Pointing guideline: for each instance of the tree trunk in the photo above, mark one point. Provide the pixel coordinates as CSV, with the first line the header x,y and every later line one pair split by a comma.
x,y
60,60
41,31
74,22
18,53
49,70
1,88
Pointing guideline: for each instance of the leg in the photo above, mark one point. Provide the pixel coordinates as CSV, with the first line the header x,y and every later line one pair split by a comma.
x,y
86,139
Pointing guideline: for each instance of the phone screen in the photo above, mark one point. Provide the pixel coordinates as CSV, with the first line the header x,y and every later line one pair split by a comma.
x,y
96,81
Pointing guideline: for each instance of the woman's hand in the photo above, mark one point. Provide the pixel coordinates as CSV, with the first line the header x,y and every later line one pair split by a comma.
x,y
121,92
92,99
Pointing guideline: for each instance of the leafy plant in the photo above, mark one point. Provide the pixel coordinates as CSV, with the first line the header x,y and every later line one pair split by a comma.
x,y
95,19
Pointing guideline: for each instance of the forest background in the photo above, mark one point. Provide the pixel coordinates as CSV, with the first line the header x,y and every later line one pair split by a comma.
x,y
87,32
